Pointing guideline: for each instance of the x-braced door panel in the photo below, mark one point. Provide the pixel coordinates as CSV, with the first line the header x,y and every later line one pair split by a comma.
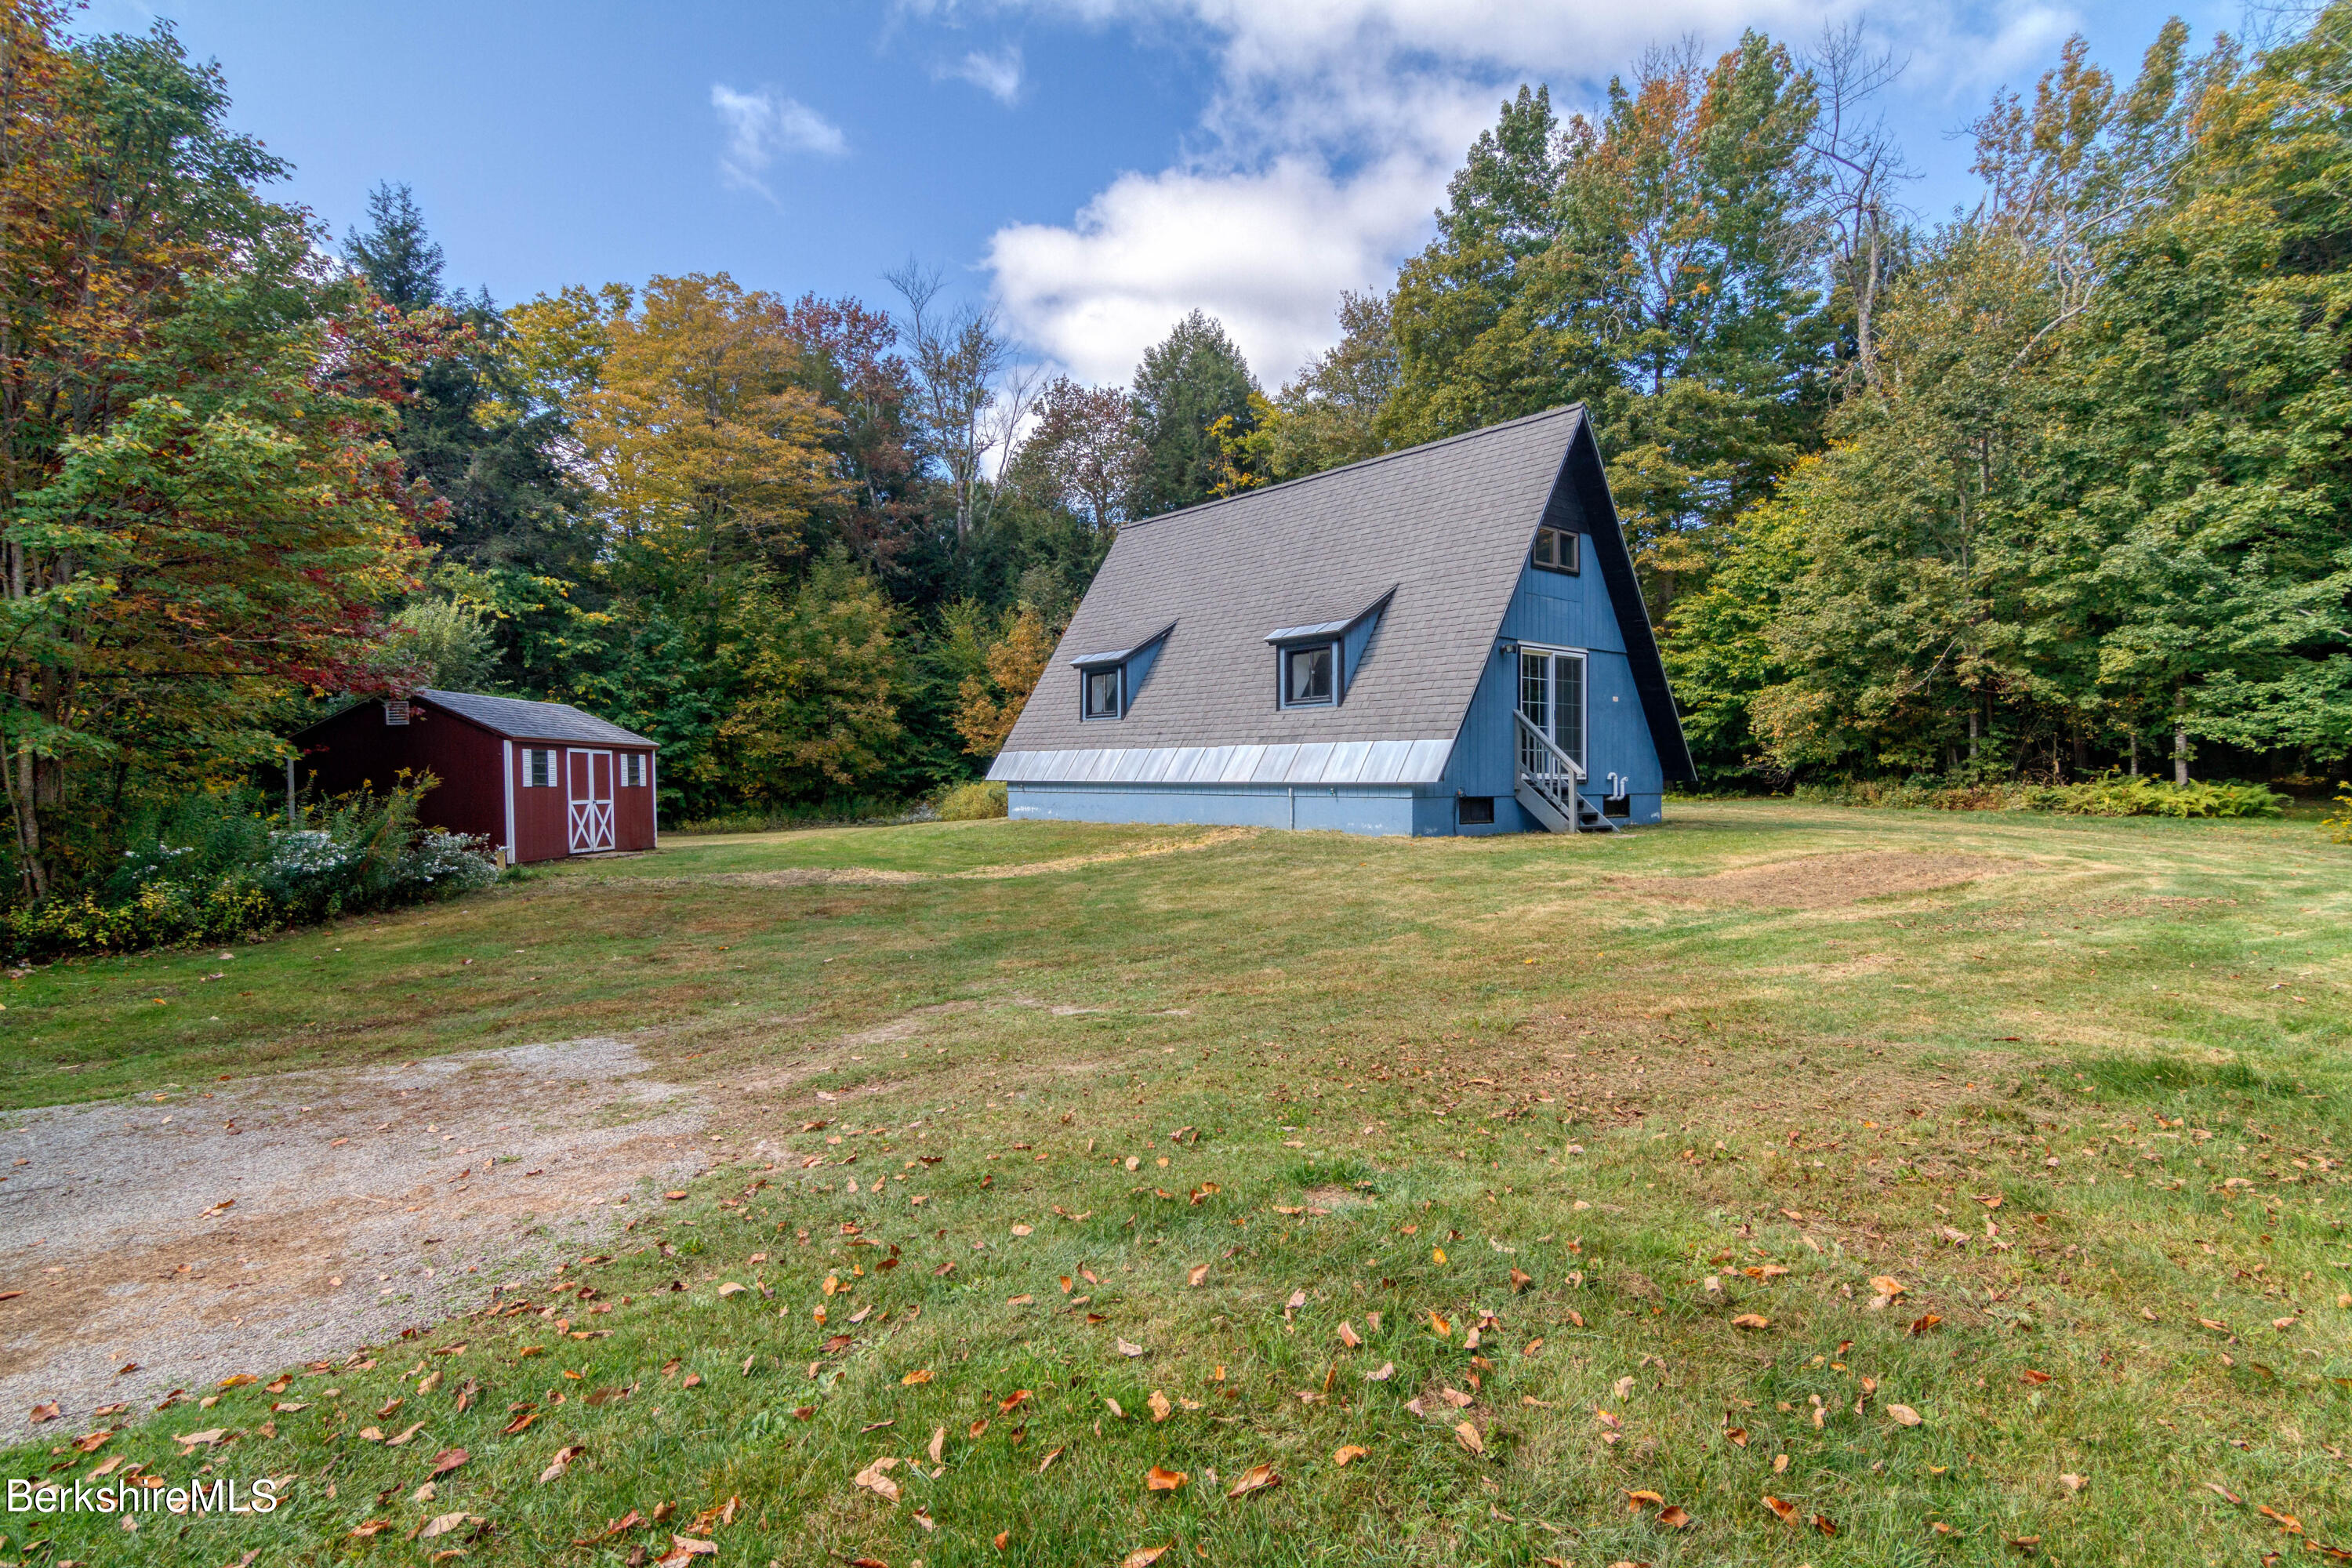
x,y
588,790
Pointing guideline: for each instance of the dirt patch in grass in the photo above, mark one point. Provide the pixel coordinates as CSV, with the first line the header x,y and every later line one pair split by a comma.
x,y
1824,881
1073,862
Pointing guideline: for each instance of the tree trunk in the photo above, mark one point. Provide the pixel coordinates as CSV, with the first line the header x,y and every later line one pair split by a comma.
x,y
2179,739
2134,755
1975,738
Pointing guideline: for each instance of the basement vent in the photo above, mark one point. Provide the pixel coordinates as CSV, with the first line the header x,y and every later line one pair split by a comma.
x,y
396,712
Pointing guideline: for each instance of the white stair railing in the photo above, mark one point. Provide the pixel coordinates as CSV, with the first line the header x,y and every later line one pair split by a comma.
x,y
1549,772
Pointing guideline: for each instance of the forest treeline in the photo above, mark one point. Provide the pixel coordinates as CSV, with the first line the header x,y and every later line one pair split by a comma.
x,y
2054,483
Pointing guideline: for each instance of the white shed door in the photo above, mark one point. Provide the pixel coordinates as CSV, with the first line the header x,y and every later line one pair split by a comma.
x,y
588,789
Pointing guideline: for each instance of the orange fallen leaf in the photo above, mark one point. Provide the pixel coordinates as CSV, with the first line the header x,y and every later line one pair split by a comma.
x,y
1013,1402
445,1462
1158,1479
1738,1435
1467,1435
1145,1556
1254,1478
1826,1525
914,1379
1675,1517
1198,1275
1787,1510
1349,1453
1349,1337
1751,1320
562,1462
1922,1324
1636,1502
1904,1414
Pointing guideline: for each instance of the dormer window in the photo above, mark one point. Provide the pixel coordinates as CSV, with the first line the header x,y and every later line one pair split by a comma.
x,y
1308,674
1315,663
1556,549
1108,681
1102,694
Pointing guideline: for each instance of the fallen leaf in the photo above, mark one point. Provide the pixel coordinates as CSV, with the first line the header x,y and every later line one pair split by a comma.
x,y
1787,1510
1352,1451
1674,1517
1904,1414
561,1463
939,1442
1047,1462
1158,1479
1145,1556
1253,1479
1125,1348
876,1479
1388,1371
518,1422
446,1460
1738,1435
405,1437
914,1379
1520,1280
2224,1492
1636,1502
1161,1408
49,1412
1921,1325
1467,1435
373,1529
1013,1402
1886,1285
1349,1337
1751,1320
1532,1347
1198,1275
441,1525
2072,1482
1824,1523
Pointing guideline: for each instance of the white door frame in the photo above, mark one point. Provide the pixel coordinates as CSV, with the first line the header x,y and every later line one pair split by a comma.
x,y
588,821
1551,656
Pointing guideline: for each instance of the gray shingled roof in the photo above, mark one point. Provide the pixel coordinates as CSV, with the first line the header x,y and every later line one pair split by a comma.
x,y
1446,525
518,720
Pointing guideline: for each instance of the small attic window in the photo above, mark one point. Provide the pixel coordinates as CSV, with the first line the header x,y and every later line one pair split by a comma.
x,y
1105,691
1309,675
1556,549
395,710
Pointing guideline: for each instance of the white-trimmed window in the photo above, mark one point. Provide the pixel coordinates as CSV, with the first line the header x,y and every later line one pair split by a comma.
x,y
538,767
395,710
633,770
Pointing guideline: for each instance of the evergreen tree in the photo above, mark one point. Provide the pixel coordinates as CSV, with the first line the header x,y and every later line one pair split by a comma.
x,y
395,253
1188,382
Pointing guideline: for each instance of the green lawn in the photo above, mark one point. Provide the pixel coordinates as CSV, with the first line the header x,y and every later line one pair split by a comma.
x,y
1659,1115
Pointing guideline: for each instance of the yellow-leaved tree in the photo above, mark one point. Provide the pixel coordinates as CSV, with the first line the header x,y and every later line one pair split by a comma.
x,y
990,702
706,448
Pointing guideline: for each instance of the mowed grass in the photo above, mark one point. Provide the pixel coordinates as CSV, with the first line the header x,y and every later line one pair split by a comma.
x,y
1662,1118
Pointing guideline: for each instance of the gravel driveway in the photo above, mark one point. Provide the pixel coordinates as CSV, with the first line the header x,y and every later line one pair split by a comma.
x,y
277,1220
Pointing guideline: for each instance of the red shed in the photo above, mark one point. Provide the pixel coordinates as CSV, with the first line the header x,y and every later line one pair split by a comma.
x,y
540,780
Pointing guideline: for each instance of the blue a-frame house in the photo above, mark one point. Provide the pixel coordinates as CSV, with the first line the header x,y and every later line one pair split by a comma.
x,y
1446,639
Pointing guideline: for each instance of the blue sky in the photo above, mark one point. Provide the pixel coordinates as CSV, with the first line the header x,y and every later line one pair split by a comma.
x,y
1095,167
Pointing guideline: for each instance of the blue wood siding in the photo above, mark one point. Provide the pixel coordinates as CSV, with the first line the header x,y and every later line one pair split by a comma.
x,y
1562,612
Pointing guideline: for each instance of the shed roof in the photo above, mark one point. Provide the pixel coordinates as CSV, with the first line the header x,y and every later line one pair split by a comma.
x,y
1442,530
518,718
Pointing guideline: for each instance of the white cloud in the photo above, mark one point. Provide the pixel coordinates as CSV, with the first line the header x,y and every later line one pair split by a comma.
x,y
996,73
1266,252
1335,125
761,125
